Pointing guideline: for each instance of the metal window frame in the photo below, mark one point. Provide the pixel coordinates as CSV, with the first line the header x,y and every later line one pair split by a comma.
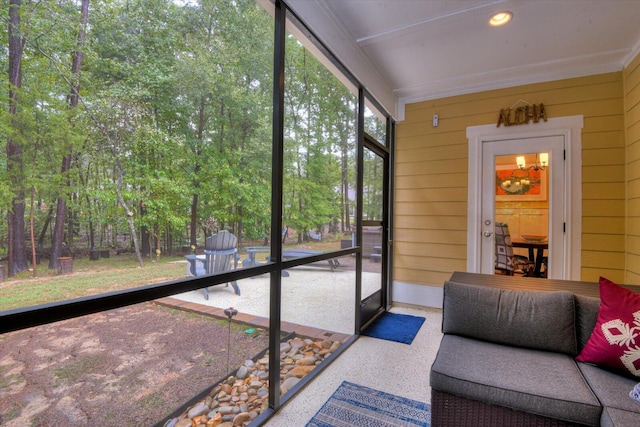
x,y
27,317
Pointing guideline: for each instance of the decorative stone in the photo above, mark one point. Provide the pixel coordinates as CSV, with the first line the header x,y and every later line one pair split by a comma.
x,y
242,372
241,398
240,418
197,410
186,422
309,360
288,384
284,347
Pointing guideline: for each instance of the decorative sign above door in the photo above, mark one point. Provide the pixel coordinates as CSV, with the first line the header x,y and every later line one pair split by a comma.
x,y
522,115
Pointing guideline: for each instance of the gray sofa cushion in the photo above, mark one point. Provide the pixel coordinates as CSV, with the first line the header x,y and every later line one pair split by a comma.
x,y
543,383
611,389
586,316
612,417
531,319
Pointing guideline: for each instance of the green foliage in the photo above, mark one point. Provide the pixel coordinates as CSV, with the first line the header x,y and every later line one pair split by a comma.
x,y
175,100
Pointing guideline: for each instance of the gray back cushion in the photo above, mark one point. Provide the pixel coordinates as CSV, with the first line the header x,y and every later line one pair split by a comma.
x,y
531,319
586,316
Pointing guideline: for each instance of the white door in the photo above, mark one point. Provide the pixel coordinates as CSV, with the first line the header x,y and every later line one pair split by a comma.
x,y
555,174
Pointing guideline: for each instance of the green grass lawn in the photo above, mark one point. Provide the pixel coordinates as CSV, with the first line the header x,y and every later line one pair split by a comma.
x,y
88,278
103,275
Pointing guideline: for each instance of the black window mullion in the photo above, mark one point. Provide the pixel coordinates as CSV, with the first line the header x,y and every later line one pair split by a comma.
x,y
275,295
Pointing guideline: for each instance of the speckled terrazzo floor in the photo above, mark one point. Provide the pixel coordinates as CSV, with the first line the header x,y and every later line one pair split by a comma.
x,y
325,300
391,367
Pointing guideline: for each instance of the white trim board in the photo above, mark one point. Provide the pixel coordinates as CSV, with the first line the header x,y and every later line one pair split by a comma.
x,y
417,294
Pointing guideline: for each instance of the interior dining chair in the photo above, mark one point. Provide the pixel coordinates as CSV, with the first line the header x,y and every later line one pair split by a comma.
x,y
506,261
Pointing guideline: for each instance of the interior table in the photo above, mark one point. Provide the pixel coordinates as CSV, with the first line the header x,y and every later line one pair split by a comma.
x,y
533,246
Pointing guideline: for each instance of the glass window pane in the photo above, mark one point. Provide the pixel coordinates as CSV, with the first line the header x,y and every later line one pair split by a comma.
x,y
373,195
371,260
130,366
319,155
375,124
168,144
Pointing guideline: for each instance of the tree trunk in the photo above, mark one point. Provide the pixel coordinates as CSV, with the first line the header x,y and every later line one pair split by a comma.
x,y
34,255
193,237
74,96
202,119
45,226
15,218
128,213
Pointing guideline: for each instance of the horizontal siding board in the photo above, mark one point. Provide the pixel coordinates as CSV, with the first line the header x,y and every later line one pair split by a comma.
x,y
430,263
632,97
600,259
596,208
431,194
595,108
603,157
595,225
431,236
631,75
633,133
431,208
632,277
603,123
633,189
609,139
593,274
633,224
633,243
430,250
600,191
457,151
434,278
610,173
600,242
633,114
433,167
431,181
633,153
633,206
441,223
430,140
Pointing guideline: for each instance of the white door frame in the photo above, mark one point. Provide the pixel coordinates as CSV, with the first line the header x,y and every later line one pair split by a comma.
x,y
571,128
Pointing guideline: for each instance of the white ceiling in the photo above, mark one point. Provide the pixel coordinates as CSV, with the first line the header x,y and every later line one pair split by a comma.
x,y
406,51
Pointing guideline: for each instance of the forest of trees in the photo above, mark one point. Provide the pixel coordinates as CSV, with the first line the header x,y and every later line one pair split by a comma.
x,y
152,119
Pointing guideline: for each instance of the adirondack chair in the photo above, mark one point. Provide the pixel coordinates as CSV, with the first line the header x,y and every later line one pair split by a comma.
x,y
219,254
315,236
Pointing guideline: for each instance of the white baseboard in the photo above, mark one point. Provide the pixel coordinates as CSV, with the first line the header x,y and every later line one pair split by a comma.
x,y
417,294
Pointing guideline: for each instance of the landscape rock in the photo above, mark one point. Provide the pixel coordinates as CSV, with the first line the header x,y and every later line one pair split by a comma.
x,y
241,398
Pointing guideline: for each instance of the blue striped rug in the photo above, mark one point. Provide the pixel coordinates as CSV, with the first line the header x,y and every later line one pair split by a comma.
x,y
352,405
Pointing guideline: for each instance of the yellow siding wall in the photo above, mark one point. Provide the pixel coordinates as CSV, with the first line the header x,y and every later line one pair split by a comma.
x,y
430,240
632,125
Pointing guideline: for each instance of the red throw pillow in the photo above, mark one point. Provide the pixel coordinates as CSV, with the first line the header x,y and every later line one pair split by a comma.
x,y
615,340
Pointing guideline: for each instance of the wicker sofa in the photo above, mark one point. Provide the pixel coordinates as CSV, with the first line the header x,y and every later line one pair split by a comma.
x,y
507,357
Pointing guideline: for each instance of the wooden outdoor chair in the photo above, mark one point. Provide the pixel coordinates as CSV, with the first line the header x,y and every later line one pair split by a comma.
x,y
219,256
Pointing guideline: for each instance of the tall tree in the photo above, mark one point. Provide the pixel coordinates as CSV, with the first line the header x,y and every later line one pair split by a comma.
x,y
15,167
73,98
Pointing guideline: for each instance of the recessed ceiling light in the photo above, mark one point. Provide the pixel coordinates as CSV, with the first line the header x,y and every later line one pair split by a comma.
x,y
500,18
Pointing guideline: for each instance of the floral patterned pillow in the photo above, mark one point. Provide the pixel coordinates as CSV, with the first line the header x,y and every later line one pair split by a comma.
x,y
615,341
